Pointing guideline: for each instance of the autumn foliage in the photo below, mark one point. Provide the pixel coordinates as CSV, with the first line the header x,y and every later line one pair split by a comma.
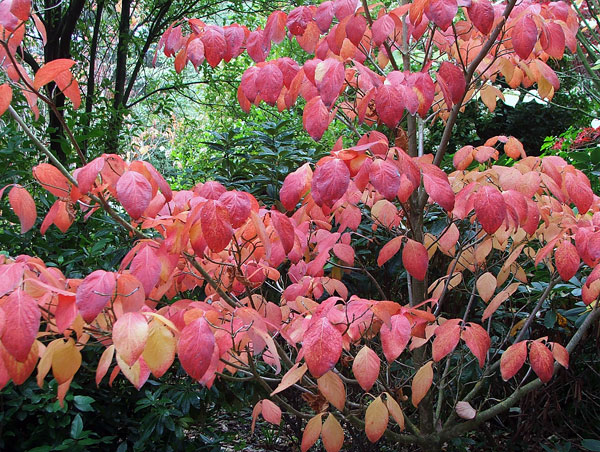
x,y
273,279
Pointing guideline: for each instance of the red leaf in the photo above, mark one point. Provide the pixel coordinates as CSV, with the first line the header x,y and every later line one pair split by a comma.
x,y
490,208
24,207
566,259
524,36
290,378
478,341
513,359
355,29
49,71
238,205
234,36
94,293
451,80
343,8
87,175
5,97
275,26
23,320
146,267
329,78
269,82
295,185
315,118
382,29
216,227
21,9
389,250
129,334
389,103
134,192
441,12
195,52
330,182
324,16
285,230
160,181
215,45
579,190
322,347
415,259
365,368
257,46
481,13
542,361
437,186
298,19
395,338
385,177
195,348
447,336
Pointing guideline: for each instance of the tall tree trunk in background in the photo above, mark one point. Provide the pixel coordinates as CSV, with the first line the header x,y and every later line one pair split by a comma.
x,y
60,23
91,81
116,121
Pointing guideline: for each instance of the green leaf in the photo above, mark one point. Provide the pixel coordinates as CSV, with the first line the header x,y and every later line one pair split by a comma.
x,y
76,427
591,444
83,403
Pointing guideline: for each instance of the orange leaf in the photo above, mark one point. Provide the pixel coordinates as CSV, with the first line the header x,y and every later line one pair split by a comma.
x,y
422,382
376,420
292,376
66,361
486,286
332,434
366,367
332,387
49,71
104,363
271,412
389,250
5,97
311,433
24,207
395,410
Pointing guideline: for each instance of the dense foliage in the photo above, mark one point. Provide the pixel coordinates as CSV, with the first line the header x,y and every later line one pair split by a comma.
x,y
383,270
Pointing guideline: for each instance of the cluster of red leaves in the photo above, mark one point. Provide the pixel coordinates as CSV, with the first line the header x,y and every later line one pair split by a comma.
x,y
228,244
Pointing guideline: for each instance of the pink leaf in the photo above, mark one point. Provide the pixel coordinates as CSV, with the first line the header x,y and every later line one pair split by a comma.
x,y
134,193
